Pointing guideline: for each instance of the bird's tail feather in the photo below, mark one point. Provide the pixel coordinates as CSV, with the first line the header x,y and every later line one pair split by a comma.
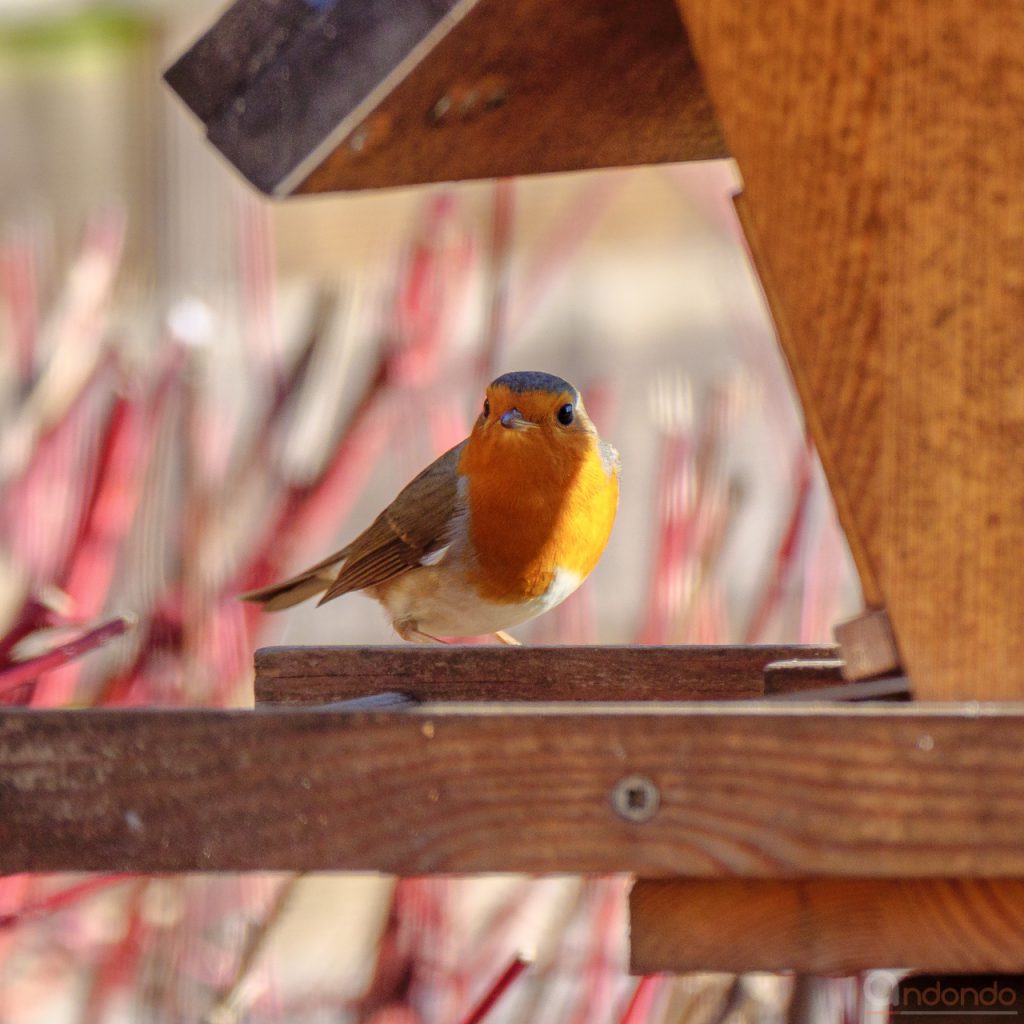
x,y
312,581
283,595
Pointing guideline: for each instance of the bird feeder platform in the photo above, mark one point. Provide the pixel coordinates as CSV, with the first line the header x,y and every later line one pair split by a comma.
x,y
811,835
881,156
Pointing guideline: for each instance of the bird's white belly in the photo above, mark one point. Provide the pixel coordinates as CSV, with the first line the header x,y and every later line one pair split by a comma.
x,y
435,603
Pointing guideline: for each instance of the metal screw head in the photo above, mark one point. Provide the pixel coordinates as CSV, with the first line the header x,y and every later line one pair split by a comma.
x,y
636,798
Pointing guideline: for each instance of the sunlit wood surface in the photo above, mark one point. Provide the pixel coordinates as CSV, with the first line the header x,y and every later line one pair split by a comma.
x,y
828,926
352,96
881,155
759,790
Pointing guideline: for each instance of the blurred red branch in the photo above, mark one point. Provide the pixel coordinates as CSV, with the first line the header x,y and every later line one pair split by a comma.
x,y
19,289
125,450
499,270
120,963
772,593
19,672
638,1010
562,241
62,898
497,990
607,898
34,615
304,508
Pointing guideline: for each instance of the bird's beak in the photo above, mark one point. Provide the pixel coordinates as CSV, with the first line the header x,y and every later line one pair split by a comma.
x,y
514,420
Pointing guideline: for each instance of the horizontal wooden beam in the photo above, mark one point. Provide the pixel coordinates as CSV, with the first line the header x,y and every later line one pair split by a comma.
x,y
356,94
323,675
821,926
661,790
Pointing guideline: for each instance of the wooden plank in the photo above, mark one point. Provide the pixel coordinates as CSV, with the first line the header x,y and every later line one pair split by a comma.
x,y
368,95
802,674
868,646
530,87
323,675
881,157
754,790
827,926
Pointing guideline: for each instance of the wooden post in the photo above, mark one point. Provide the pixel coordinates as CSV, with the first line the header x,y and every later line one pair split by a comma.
x,y
881,155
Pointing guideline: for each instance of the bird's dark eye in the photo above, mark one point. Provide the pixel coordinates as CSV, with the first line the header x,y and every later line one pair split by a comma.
x,y
487,408
565,414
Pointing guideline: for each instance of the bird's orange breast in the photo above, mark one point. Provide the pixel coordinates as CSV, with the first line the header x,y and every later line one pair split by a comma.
x,y
535,509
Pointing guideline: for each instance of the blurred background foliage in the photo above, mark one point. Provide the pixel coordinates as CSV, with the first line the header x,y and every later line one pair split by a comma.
x,y
200,390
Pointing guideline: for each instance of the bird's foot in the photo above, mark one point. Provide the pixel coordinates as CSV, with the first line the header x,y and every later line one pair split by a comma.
x,y
428,638
502,637
408,631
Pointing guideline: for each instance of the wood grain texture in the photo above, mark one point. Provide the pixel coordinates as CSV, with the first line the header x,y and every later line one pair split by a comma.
x,y
827,926
802,675
375,93
755,790
322,675
867,646
529,86
881,154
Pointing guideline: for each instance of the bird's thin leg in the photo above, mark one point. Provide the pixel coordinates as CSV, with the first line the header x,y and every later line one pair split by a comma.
x,y
428,637
504,638
408,631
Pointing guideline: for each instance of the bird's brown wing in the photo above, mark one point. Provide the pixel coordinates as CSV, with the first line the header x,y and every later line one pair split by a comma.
x,y
417,524
414,526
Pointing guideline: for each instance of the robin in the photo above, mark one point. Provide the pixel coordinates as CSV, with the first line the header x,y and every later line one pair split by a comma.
x,y
499,529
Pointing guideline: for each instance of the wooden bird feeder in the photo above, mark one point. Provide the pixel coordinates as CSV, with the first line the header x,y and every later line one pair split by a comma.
x,y
881,153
